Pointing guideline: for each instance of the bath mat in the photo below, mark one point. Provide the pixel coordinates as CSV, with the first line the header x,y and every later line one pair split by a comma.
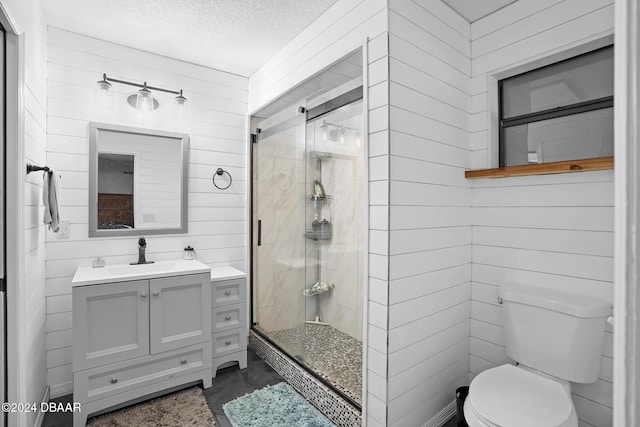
x,y
185,408
274,406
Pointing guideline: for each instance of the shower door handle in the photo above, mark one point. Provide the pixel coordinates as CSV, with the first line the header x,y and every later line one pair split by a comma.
x,y
259,232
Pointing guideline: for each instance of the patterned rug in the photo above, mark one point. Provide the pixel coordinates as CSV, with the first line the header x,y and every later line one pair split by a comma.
x,y
185,408
274,406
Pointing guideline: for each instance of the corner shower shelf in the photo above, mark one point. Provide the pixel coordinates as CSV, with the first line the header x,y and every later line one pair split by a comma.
x,y
315,197
319,155
318,288
317,234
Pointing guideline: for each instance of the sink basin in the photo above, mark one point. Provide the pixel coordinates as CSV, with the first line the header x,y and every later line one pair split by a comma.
x,y
124,272
135,269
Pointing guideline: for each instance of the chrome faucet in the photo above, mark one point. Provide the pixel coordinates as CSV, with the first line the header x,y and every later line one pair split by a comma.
x,y
142,247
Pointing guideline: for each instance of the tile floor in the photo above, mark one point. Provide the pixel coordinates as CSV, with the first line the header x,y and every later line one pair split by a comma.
x,y
229,384
232,382
452,423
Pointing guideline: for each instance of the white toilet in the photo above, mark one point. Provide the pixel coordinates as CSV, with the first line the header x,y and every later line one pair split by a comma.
x,y
555,337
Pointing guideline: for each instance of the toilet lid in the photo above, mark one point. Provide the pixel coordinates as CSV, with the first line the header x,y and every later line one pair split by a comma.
x,y
510,396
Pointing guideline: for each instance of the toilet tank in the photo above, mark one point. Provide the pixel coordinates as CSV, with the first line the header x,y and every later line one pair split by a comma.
x,y
555,332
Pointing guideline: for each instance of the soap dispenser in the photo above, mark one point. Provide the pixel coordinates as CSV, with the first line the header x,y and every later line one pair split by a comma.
x,y
325,229
189,253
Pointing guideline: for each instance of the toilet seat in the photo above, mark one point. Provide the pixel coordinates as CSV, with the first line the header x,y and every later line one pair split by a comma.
x,y
509,396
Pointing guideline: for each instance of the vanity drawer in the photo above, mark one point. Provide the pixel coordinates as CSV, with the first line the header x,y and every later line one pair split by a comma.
x,y
227,292
229,341
228,317
120,377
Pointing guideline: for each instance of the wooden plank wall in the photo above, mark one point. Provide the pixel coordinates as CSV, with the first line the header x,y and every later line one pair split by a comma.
x,y
339,31
553,231
216,123
378,281
31,323
430,233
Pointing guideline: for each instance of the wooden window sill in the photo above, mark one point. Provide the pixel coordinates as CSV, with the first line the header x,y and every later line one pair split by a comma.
x,y
582,165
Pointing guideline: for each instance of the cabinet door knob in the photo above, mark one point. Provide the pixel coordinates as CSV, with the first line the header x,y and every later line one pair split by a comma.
x,y
143,296
227,293
114,380
227,342
156,293
227,317
183,361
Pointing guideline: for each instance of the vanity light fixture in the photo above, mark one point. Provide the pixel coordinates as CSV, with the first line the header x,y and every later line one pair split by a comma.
x,y
332,132
142,100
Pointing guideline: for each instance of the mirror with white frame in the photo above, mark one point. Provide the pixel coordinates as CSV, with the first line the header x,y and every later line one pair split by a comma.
x,y
137,181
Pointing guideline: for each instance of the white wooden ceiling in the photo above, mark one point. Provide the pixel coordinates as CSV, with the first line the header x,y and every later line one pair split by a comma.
x,y
472,10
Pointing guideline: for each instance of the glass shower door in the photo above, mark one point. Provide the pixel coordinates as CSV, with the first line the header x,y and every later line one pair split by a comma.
x,y
278,198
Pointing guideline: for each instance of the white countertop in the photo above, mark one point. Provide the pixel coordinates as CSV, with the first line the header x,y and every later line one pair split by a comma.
x,y
123,272
226,273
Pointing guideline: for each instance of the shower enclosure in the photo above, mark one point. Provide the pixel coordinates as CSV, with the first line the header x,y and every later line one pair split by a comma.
x,y
308,213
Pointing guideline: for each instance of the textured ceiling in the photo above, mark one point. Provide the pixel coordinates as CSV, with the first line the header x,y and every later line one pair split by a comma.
x,y
472,10
231,35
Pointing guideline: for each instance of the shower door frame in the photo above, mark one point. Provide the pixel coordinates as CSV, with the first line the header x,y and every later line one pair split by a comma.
x,y
254,138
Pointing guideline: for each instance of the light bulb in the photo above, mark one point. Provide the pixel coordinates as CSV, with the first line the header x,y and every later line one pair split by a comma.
x,y
180,106
144,100
103,95
324,127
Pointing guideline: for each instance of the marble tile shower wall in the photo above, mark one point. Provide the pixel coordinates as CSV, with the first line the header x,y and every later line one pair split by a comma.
x,y
279,197
216,124
342,256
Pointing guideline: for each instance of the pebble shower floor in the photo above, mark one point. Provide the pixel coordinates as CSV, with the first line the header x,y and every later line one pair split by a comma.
x,y
332,354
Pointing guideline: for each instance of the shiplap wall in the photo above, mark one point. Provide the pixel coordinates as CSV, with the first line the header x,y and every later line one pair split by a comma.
x,y
31,286
553,231
430,237
216,124
343,28
340,30
378,280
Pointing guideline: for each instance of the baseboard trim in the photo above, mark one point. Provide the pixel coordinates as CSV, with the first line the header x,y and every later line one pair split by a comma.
x,y
443,416
45,400
60,390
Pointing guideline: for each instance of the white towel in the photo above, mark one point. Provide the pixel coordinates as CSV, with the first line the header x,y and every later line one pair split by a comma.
x,y
51,199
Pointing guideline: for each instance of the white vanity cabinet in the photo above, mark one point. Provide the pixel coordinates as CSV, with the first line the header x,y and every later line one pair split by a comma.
x,y
229,332
133,338
110,323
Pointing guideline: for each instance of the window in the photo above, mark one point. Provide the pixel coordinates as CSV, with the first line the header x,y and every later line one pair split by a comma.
x,y
560,112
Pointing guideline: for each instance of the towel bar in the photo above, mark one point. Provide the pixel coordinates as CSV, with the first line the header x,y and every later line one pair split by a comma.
x,y
34,168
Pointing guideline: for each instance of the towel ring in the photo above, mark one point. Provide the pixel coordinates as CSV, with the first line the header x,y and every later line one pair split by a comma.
x,y
220,172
